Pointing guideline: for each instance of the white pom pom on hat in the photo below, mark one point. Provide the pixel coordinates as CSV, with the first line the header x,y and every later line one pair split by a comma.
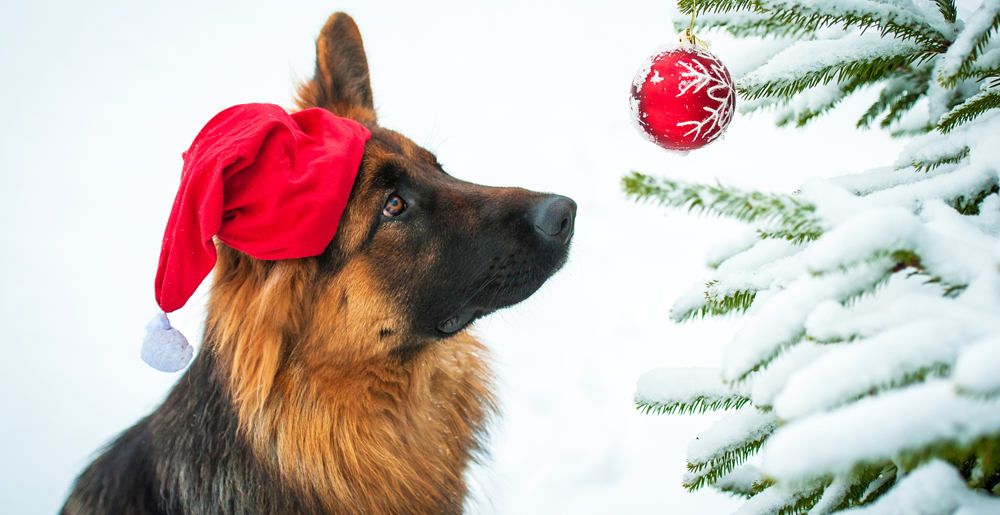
x,y
165,348
267,183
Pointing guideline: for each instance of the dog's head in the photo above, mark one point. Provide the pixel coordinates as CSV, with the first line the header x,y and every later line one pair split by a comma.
x,y
441,250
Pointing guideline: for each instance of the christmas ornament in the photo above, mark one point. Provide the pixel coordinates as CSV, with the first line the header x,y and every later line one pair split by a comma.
x,y
264,182
682,97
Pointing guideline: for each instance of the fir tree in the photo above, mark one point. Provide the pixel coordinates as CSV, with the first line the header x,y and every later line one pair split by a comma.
x,y
867,372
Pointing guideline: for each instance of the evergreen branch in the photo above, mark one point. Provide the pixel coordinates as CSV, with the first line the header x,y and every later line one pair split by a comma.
x,y
907,81
971,207
866,70
859,486
830,97
870,291
948,9
797,235
791,213
804,503
970,109
891,22
906,133
881,485
698,405
744,24
740,489
760,486
987,464
708,472
767,360
928,165
961,55
715,6
893,90
737,303
961,455
899,107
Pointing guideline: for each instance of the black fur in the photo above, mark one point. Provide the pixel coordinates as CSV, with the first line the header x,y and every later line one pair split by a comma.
x,y
186,457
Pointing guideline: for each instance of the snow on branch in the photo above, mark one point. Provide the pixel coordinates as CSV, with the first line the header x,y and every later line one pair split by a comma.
x,y
976,372
935,488
770,263
726,445
715,6
908,20
878,429
745,481
970,43
970,109
864,57
778,499
883,178
899,356
742,24
686,391
780,322
791,213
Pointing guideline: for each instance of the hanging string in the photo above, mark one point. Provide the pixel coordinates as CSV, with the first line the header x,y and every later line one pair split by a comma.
x,y
688,35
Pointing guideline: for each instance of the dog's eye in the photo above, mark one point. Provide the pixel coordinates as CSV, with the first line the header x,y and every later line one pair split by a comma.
x,y
394,206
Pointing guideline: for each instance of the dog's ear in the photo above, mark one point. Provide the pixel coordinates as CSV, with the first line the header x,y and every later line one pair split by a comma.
x,y
340,83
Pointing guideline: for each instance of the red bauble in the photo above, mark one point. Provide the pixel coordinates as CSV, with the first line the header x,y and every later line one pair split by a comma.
x,y
682,99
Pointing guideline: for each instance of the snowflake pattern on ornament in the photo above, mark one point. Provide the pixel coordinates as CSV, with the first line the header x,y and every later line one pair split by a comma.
x,y
682,98
720,90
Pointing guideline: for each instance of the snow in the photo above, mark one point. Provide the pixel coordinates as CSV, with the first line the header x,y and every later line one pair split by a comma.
x,y
933,146
812,100
901,300
978,368
883,178
740,479
780,321
847,372
769,502
832,496
877,429
862,236
900,12
772,380
735,430
976,26
683,386
815,56
724,250
934,488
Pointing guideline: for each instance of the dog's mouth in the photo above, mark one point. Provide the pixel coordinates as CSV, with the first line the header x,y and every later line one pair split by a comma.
x,y
461,318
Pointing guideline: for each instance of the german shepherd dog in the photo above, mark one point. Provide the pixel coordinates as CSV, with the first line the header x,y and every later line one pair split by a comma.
x,y
345,382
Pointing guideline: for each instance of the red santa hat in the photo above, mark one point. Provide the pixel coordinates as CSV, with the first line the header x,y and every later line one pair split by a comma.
x,y
264,182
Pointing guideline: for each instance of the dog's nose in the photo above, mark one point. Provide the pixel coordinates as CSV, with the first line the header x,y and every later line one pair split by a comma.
x,y
554,216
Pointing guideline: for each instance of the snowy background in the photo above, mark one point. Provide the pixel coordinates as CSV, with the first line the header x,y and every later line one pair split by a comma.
x,y
98,99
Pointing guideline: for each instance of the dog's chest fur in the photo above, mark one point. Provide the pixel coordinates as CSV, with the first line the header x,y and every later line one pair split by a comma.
x,y
191,456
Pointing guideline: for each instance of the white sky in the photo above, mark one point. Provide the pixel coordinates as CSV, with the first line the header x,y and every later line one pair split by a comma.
x,y
98,100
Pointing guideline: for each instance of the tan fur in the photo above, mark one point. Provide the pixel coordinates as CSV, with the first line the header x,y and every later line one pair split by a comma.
x,y
328,405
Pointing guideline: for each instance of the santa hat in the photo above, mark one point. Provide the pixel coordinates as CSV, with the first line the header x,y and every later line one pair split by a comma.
x,y
264,182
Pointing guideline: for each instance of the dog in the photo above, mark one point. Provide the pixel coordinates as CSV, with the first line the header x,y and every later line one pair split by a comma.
x,y
345,382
